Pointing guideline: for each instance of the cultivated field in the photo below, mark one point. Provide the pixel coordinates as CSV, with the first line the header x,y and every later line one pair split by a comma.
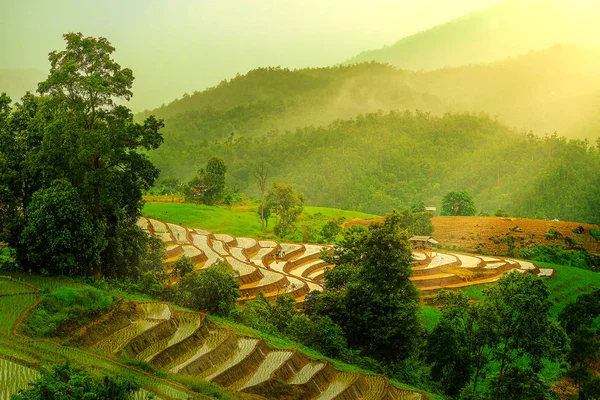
x,y
486,233
240,363
275,268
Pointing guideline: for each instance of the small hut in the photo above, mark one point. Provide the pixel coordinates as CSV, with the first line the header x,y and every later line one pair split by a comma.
x,y
423,242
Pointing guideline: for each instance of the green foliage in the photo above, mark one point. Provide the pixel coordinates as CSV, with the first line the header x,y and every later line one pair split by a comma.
x,y
330,230
515,318
61,236
595,233
519,383
7,260
417,222
68,382
577,318
372,298
287,205
213,290
214,179
76,134
458,203
320,333
208,186
509,332
556,255
183,266
66,306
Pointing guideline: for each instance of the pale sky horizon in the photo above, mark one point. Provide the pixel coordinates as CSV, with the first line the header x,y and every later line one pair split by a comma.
x,y
180,46
205,41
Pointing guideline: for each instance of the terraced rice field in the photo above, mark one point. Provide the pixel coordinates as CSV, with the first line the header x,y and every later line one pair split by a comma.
x,y
342,381
200,348
274,268
14,377
273,361
244,347
19,354
306,373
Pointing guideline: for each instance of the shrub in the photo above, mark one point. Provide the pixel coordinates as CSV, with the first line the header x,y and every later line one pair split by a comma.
x,y
68,382
214,290
66,306
595,233
557,255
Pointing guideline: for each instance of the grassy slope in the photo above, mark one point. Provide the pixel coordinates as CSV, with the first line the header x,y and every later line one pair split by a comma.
x,y
240,220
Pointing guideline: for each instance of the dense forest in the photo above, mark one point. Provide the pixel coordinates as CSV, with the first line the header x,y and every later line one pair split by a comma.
x,y
379,161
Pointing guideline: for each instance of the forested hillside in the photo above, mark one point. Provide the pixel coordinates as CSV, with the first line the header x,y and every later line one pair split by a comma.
x,y
380,161
557,89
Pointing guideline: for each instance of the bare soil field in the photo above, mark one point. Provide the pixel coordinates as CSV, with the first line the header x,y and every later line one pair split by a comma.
x,y
469,234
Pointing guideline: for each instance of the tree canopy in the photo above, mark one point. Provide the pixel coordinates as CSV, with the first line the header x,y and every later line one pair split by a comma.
x,y
77,137
458,203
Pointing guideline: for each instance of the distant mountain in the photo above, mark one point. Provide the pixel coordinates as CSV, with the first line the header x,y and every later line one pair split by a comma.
x,y
15,82
507,29
557,89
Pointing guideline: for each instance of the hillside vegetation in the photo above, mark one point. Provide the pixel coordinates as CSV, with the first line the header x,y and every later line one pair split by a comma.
x,y
556,89
382,161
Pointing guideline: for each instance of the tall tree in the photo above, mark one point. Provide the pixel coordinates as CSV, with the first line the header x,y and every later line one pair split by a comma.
x,y
261,175
214,180
79,130
288,206
458,203
369,293
516,317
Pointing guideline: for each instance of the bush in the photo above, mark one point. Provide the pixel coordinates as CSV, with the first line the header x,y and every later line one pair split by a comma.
x,y
68,382
213,290
557,255
7,260
595,233
71,306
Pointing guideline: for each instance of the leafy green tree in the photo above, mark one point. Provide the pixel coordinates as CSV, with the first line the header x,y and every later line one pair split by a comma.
x,y
458,203
183,266
516,315
577,319
519,383
264,213
214,179
330,230
261,176
214,290
450,346
257,313
171,186
79,130
417,222
61,236
68,382
283,311
287,205
373,300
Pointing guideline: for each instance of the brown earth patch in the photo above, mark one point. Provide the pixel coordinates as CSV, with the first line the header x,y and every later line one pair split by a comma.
x,y
487,233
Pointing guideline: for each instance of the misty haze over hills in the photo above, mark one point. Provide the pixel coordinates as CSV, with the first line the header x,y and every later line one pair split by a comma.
x,y
185,47
507,29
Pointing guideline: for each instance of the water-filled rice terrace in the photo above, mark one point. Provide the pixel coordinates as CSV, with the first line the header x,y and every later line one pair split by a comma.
x,y
188,343
275,268
22,358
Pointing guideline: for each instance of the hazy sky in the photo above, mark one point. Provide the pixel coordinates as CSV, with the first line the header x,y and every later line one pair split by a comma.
x,y
197,43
